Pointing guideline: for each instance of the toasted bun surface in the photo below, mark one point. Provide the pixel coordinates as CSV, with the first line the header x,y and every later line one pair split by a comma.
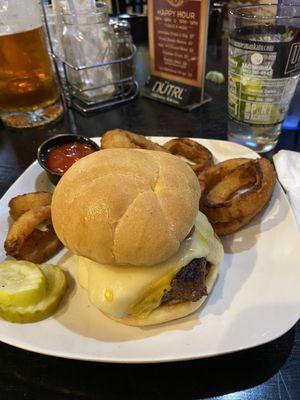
x,y
126,206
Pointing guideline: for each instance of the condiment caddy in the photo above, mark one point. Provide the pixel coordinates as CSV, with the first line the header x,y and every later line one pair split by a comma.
x,y
93,57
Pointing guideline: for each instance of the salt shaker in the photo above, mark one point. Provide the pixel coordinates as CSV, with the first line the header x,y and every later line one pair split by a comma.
x,y
124,46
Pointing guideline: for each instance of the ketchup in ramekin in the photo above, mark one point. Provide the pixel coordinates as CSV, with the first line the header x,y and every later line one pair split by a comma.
x,y
57,154
59,159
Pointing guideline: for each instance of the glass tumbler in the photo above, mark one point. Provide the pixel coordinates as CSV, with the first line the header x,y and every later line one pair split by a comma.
x,y
88,45
29,94
263,71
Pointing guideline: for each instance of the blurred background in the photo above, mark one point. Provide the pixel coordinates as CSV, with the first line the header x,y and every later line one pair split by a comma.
x,y
136,12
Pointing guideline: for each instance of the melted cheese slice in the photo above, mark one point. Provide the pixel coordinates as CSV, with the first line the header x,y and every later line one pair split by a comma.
x,y
136,290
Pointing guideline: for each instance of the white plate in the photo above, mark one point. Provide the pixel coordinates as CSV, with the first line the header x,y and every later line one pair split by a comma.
x,y
256,297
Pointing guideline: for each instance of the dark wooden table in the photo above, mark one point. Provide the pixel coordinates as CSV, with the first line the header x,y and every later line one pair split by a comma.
x,y
270,372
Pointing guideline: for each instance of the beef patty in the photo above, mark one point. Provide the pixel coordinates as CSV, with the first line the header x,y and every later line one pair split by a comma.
x,y
189,283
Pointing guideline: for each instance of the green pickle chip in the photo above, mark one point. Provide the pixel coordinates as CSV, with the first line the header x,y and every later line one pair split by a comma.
x,y
22,283
56,285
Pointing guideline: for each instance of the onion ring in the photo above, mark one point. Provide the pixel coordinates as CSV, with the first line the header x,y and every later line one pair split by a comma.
x,y
25,239
234,191
25,202
40,245
199,156
23,227
226,228
193,151
217,172
119,138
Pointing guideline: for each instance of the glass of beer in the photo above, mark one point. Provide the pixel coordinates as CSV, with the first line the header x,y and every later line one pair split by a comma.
x,y
29,93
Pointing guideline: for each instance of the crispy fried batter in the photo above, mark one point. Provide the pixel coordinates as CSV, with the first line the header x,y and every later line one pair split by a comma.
x,y
25,240
199,156
234,191
192,151
119,138
23,227
40,245
25,202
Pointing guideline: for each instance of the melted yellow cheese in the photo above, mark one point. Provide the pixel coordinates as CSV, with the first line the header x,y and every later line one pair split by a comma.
x,y
151,299
137,290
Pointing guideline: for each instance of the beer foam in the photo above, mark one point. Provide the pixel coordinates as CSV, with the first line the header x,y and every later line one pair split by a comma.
x,y
19,16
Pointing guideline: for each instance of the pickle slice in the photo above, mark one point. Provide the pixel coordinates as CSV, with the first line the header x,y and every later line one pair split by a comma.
x,y
22,283
56,287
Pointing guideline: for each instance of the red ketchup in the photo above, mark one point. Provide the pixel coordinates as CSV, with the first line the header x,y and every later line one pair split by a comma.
x,y
60,158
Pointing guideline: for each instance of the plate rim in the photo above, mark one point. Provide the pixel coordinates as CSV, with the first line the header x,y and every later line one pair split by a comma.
x,y
166,359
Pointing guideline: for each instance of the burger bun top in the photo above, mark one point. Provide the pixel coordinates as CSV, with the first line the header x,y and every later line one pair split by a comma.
x,y
126,206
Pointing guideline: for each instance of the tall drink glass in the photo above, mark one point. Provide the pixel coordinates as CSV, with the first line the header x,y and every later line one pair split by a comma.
x,y
263,71
29,94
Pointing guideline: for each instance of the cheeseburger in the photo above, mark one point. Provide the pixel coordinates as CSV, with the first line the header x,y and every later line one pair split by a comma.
x,y
146,255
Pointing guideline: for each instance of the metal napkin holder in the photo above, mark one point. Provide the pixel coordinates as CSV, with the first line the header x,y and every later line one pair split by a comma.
x,y
128,88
